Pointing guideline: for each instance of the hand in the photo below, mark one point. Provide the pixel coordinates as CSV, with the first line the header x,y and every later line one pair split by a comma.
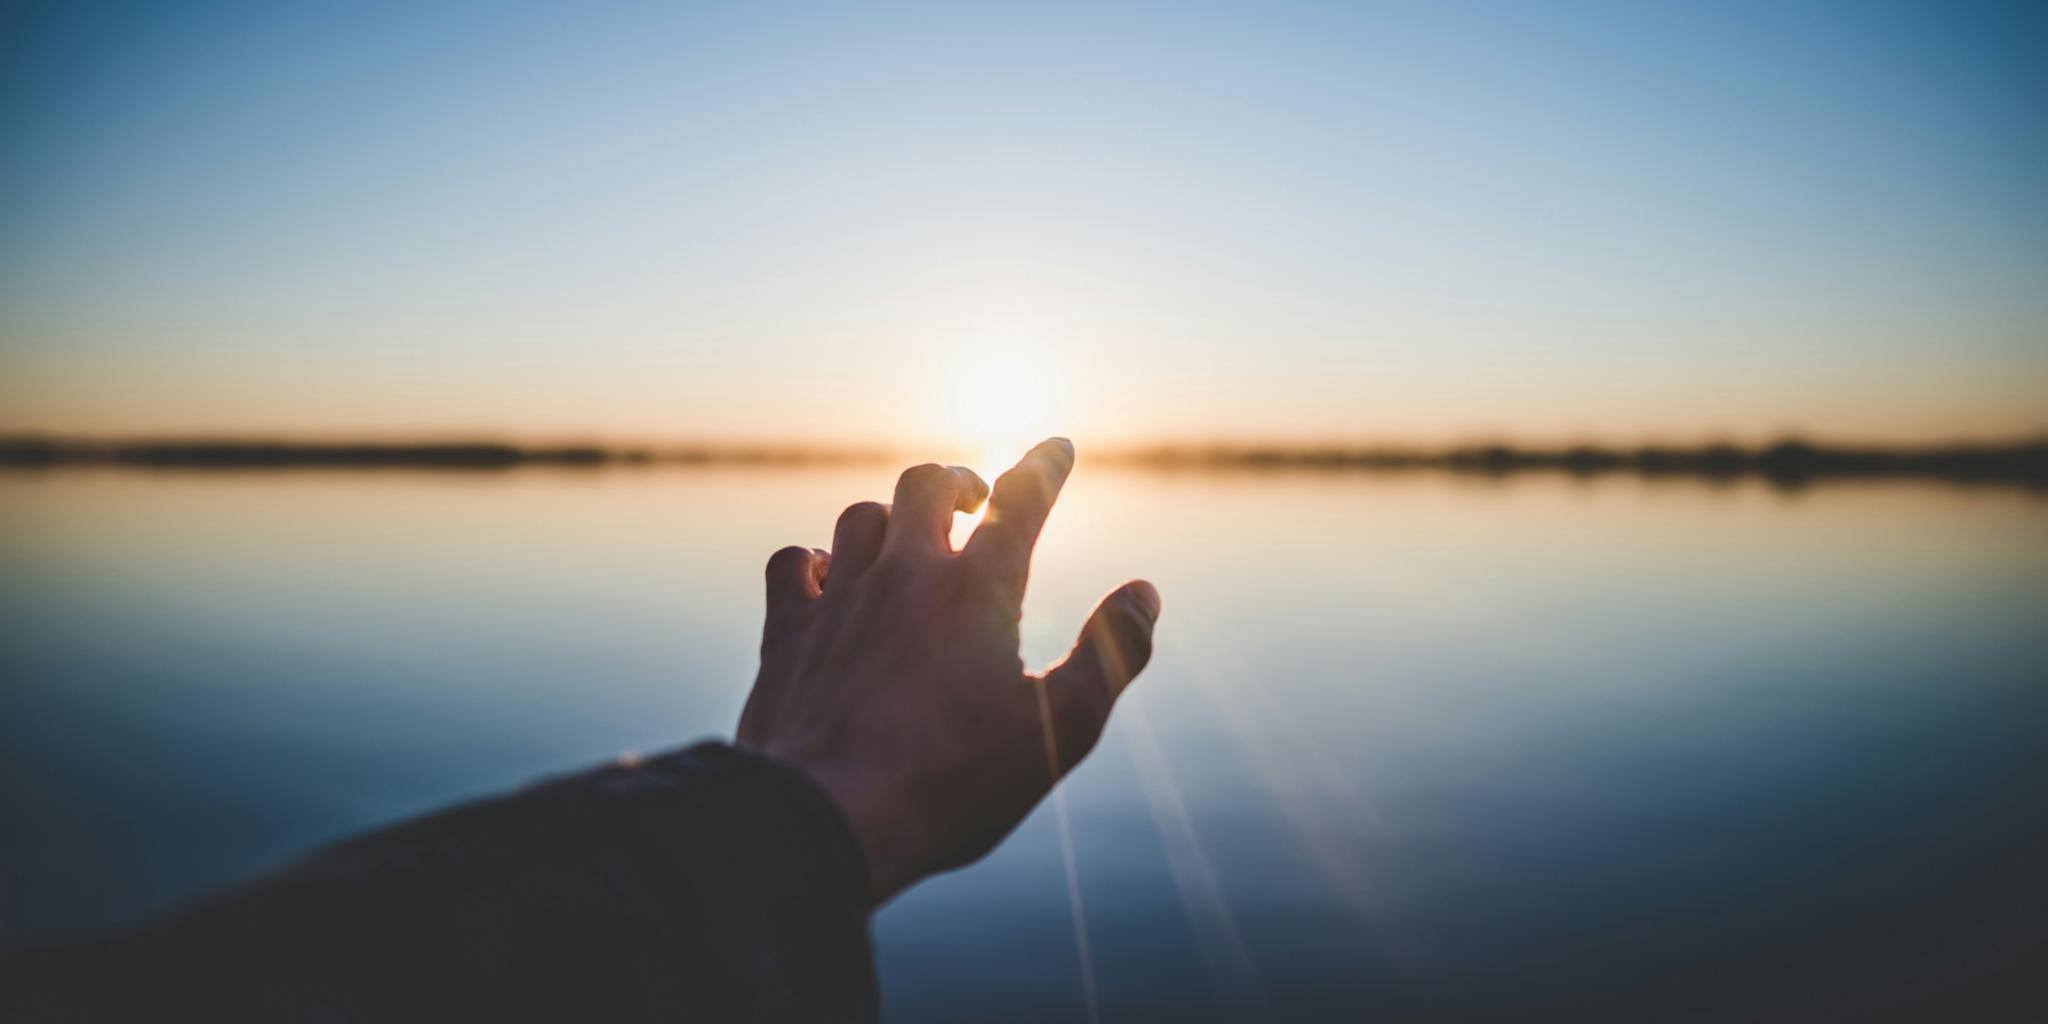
x,y
890,674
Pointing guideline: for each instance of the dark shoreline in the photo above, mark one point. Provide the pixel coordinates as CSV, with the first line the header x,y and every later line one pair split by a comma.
x,y
1790,463
210,454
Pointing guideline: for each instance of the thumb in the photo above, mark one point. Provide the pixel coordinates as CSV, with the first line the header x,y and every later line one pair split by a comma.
x,y
1113,648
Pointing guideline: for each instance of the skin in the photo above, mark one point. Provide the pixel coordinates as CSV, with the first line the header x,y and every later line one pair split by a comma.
x,y
890,673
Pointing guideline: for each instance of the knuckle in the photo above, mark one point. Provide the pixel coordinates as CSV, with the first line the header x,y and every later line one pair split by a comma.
x,y
924,475
785,559
1134,655
863,512
1129,640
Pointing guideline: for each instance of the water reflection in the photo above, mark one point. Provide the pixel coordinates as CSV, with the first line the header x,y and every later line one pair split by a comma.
x,y
1432,747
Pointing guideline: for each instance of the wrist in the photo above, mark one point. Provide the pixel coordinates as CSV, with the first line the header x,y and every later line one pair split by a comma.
x,y
887,843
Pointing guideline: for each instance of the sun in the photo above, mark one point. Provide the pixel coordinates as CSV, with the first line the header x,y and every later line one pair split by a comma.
x,y
995,400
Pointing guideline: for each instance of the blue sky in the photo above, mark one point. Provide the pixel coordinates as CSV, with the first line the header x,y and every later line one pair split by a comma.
x,y
1132,221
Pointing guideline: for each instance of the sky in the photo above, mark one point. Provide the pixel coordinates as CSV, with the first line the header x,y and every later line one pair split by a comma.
x,y
901,223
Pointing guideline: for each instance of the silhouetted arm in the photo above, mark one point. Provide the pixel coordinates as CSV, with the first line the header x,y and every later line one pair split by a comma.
x,y
711,884
892,733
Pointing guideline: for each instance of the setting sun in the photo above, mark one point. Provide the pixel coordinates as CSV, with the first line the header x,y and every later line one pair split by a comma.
x,y
994,402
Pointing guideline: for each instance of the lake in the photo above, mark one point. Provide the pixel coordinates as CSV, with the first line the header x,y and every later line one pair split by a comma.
x,y
1422,746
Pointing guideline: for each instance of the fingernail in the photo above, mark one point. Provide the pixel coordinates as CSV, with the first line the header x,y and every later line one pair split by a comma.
x,y
1145,597
1063,442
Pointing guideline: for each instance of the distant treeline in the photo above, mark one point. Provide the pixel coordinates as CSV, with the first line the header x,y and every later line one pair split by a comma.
x,y
30,452
1787,463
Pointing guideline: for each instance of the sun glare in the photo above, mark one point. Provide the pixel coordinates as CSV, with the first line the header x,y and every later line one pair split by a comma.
x,y
995,403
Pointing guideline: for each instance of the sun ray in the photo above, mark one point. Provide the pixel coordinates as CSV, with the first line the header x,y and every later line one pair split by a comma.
x,y
1066,830
1194,876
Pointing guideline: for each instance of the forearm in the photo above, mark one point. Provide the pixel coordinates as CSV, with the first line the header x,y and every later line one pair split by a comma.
x,y
708,884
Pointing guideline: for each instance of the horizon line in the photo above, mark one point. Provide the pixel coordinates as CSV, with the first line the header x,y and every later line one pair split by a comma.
x,y
1790,461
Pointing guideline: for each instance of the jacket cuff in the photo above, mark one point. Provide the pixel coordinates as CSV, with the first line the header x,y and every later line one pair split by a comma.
x,y
794,895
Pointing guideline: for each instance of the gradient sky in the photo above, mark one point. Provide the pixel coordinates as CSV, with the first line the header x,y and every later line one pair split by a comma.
x,y
1271,221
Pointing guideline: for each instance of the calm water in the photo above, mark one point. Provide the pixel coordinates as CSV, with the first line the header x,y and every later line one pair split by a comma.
x,y
1431,747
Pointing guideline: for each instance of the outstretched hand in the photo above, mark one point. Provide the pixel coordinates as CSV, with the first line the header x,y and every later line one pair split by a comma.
x,y
890,672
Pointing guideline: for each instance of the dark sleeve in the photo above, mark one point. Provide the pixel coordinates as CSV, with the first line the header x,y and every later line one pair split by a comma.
x,y
711,885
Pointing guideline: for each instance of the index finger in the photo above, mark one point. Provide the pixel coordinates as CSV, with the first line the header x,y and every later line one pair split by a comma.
x,y
1017,508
